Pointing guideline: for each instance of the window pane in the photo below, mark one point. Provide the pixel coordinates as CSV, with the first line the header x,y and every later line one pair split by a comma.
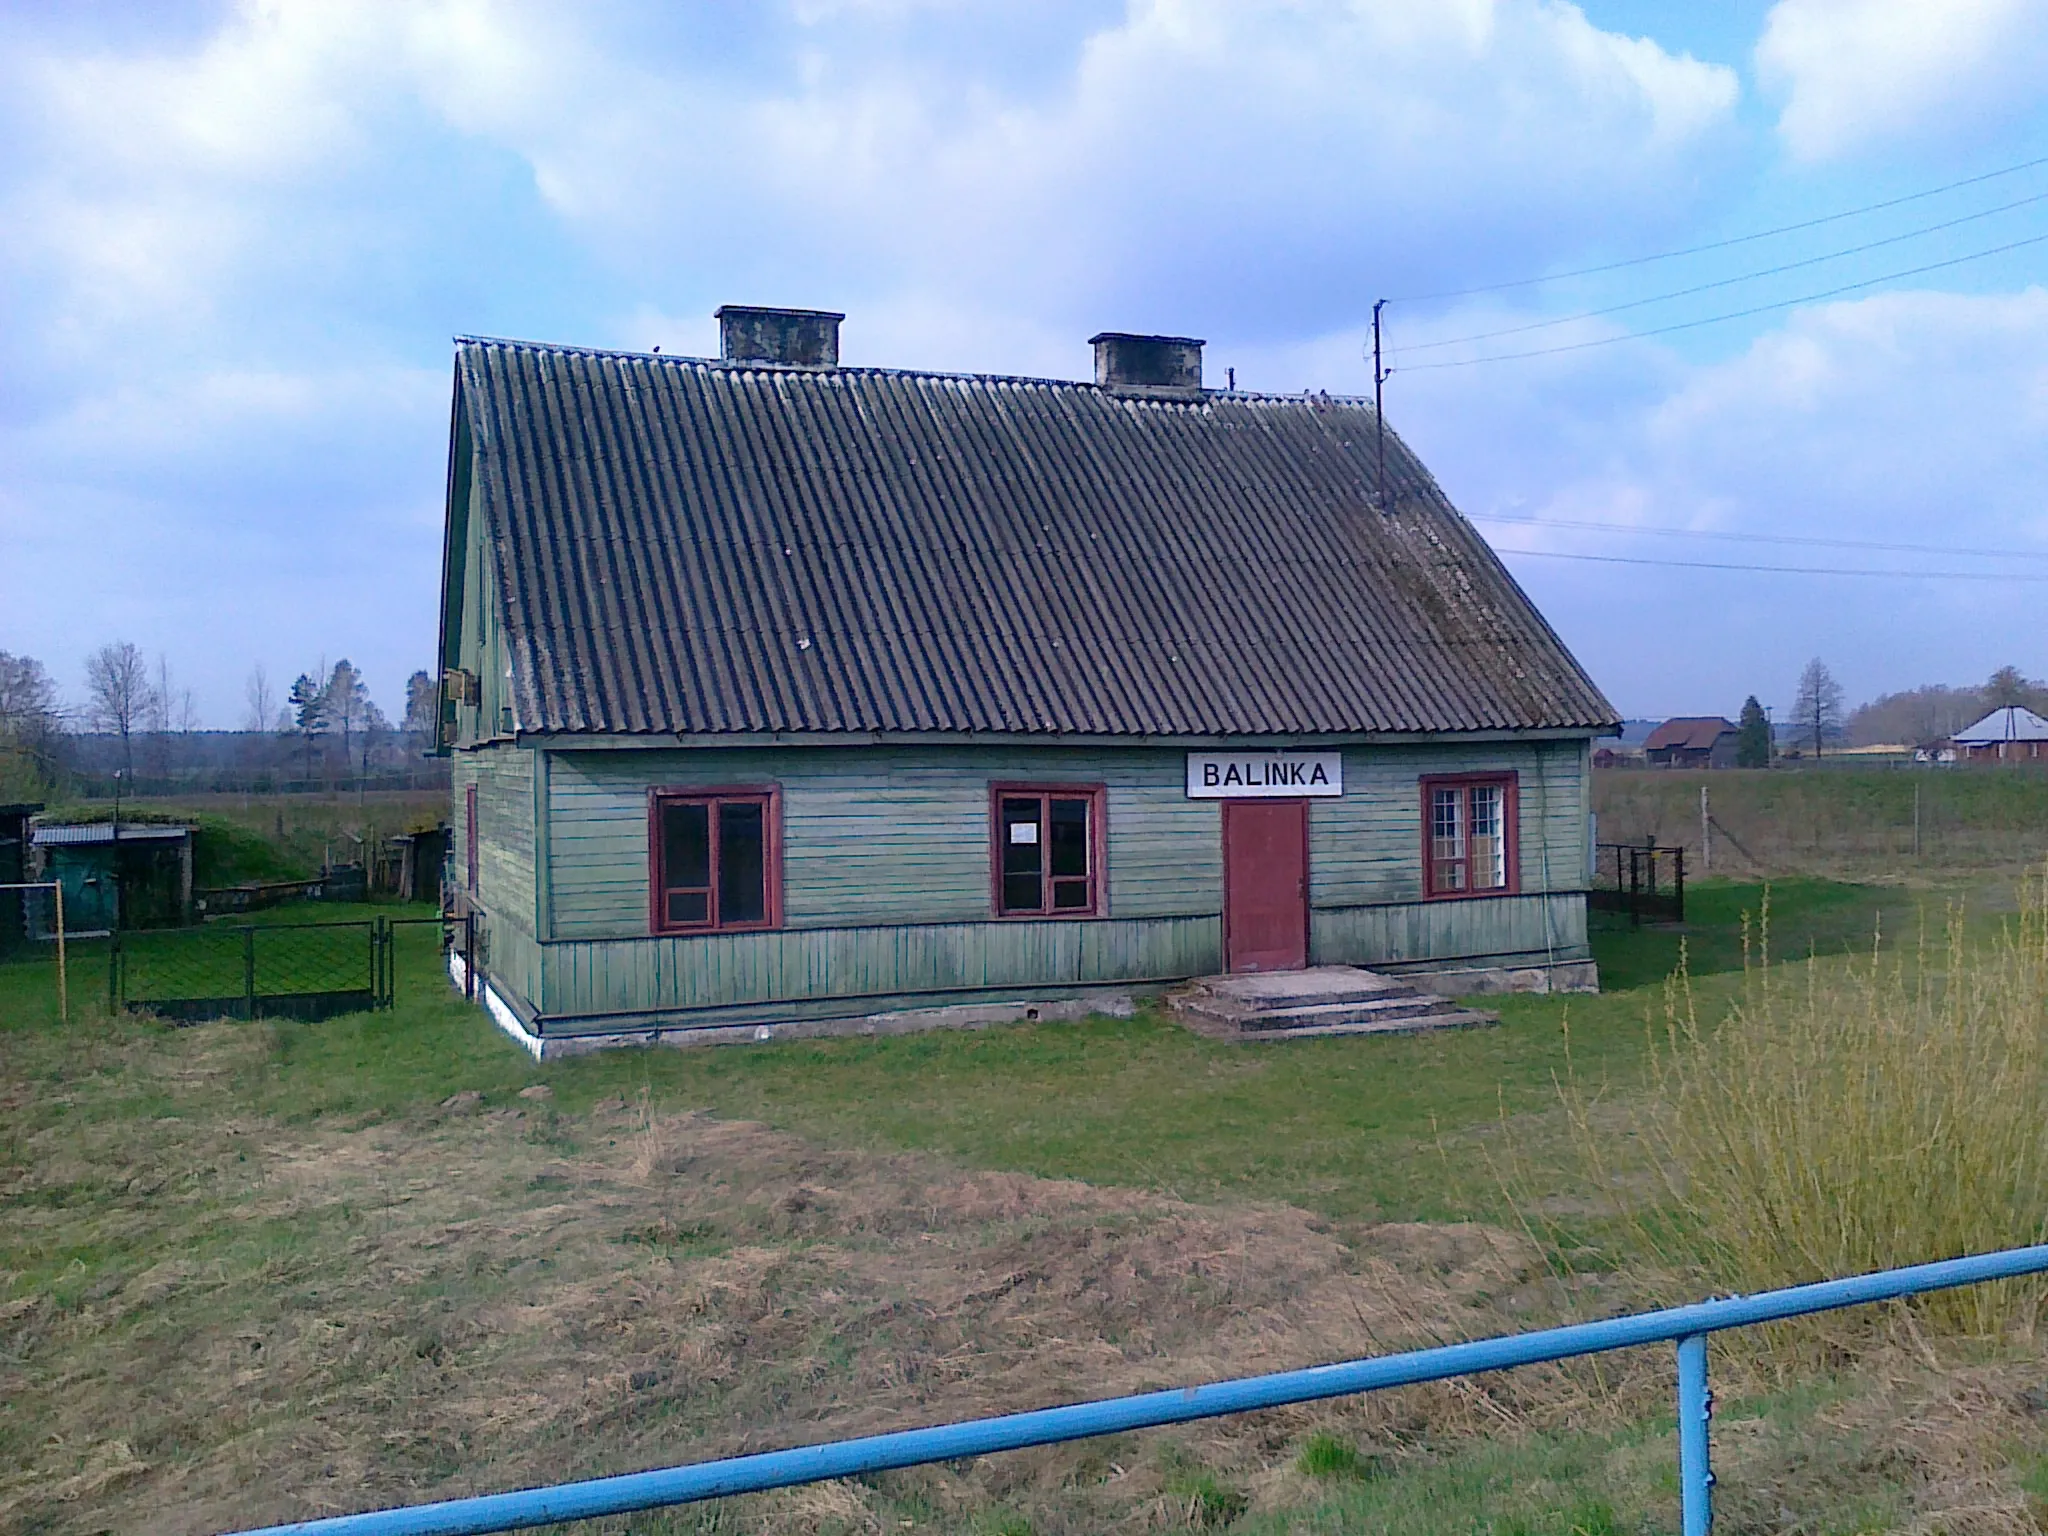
x,y
1447,824
1023,855
1069,837
689,907
1070,895
685,845
1489,846
742,863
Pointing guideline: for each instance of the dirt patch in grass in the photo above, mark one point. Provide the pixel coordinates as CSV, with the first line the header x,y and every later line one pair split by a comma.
x,y
215,1320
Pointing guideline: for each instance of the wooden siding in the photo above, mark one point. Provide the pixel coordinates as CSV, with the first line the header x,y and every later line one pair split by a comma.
x,y
1366,848
483,648
887,886
886,835
718,970
1497,930
875,835
503,776
513,959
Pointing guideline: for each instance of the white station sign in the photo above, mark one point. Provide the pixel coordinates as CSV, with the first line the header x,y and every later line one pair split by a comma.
x,y
1264,775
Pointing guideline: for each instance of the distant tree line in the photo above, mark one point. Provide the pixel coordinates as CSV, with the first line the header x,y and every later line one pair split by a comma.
x,y
136,719
1921,716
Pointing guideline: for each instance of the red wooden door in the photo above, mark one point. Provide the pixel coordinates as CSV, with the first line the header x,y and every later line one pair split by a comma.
x,y
1265,885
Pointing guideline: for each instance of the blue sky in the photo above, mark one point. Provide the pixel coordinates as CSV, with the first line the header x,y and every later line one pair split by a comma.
x,y
236,239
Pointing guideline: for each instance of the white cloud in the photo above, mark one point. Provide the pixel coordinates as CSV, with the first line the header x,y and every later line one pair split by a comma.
x,y
1860,73
1909,418
232,263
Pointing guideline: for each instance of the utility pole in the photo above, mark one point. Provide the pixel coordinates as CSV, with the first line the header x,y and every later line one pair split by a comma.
x,y
1379,412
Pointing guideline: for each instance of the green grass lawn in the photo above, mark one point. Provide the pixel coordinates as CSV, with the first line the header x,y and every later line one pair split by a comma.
x,y
1355,1129
1362,1130
198,1127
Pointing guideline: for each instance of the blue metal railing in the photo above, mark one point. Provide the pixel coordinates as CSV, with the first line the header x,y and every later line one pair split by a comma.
x,y
1687,1326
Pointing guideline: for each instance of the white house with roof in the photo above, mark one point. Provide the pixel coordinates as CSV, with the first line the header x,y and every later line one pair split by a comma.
x,y
2011,734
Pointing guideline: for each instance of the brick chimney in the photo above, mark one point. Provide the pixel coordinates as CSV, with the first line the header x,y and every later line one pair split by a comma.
x,y
793,338
1164,367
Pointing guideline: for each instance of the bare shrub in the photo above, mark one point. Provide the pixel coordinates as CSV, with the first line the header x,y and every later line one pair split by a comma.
x,y
1846,1116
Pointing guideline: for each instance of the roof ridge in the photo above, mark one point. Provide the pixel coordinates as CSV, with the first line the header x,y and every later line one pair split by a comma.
x,y
725,365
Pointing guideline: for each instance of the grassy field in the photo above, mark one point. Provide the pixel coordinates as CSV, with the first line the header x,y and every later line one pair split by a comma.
x,y
255,1271
1851,823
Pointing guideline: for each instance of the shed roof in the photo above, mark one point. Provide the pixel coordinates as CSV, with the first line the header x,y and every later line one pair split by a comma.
x,y
1693,733
2013,722
56,836
701,547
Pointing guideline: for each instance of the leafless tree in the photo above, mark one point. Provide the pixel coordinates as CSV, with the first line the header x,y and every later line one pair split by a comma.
x,y
30,725
28,699
119,699
349,709
1818,705
262,700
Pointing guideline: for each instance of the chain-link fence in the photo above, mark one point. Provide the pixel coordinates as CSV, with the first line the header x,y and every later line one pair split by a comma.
x,y
250,970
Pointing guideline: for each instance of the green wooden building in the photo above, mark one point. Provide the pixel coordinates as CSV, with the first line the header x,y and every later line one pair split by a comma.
x,y
790,696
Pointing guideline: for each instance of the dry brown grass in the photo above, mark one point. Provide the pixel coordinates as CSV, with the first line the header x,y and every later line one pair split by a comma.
x,y
490,1294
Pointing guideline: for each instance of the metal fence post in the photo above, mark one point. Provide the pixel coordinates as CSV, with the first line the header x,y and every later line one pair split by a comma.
x,y
249,972
114,972
1695,1408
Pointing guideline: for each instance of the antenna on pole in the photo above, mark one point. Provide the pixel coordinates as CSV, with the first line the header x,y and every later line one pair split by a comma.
x,y
1379,414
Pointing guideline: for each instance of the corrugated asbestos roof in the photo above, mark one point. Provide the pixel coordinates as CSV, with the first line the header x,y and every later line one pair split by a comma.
x,y
55,836
701,547
1691,732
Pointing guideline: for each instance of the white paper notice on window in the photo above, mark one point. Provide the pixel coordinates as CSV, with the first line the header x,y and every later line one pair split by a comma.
x,y
1023,831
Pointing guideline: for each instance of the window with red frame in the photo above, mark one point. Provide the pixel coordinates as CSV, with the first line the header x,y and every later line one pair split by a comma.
x,y
1469,836
1048,858
714,861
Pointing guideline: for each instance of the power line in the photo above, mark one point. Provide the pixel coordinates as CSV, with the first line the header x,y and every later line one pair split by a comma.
x,y
1737,314
1758,538
1721,245
1782,570
1728,282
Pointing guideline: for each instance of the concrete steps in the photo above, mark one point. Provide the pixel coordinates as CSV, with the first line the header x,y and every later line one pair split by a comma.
x,y
1324,1000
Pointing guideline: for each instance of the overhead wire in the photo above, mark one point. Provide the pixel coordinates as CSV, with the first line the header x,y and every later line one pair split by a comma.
x,y
1736,536
1721,245
1724,282
1737,314
1783,570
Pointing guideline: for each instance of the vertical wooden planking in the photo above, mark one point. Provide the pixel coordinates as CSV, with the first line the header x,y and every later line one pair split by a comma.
x,y
704,971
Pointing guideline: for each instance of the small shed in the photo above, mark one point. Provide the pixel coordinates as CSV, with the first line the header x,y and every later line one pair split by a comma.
x,y
1693,741
2012,734
14,869
420,857
118,875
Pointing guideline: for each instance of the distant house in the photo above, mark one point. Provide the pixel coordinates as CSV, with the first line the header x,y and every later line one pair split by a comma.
x,y
782,692
2013,734
1624,748
1692,741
